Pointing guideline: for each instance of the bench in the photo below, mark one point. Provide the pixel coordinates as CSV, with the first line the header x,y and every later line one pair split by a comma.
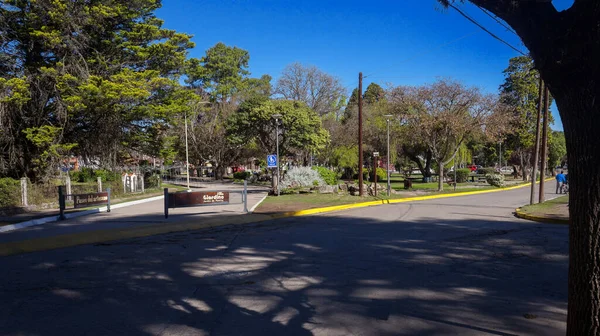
x,y
479,177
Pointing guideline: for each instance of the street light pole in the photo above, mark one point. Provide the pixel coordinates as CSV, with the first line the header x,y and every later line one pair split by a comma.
x,y
277,116
187,155
389,185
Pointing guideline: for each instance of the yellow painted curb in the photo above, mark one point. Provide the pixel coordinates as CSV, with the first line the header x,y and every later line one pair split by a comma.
x,y
520,214
399,200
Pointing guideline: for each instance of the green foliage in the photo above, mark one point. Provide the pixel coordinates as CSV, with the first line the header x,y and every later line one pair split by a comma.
x,y
374,94
496,180
557,149
242,175
300,127
107,176
329,176
486,171
346,157
381,175
101,76
10,192
462,175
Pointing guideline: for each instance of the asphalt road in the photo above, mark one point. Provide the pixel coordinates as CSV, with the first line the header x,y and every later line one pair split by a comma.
x,y
456,266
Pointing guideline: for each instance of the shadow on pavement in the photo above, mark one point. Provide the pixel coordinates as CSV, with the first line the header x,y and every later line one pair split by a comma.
x,y
299,276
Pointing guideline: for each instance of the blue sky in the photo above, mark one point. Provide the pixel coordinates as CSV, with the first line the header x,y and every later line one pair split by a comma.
x,y
401,42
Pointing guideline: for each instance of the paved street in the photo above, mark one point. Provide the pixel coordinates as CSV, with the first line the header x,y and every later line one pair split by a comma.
x,y
455,266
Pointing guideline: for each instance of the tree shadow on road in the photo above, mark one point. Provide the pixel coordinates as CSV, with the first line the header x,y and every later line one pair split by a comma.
x,y
299,276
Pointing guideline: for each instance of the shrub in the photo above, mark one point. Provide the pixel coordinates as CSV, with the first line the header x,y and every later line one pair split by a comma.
x,y
10,192
486,171
365,175
302,177
242,175
381,175
329,176
106,175
462,175
497,180
153,181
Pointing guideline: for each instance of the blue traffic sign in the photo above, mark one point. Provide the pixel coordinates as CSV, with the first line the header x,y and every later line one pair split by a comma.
x,y
272,161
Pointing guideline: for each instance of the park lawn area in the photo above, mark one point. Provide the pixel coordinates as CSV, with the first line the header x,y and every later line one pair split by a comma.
x,y
296,202
554,209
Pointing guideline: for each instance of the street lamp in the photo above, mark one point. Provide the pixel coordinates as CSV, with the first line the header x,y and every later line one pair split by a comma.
x,y
277,117
389,185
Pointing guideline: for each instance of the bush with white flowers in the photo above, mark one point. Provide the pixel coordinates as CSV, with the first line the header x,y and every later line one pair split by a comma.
x,y
302,177
497,180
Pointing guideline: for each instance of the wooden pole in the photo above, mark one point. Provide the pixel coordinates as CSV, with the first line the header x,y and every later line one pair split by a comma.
x,y
544,143
360,140
537,142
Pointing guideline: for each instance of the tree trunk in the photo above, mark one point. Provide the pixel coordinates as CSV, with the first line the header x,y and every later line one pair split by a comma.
x,y
580,113
441,176
523,168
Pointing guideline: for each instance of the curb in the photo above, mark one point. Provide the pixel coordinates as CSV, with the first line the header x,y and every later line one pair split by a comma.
x,y
519,214
44,220
394,201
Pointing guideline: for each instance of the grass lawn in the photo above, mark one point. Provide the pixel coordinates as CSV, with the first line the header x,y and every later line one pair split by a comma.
x,y
296,202
554,209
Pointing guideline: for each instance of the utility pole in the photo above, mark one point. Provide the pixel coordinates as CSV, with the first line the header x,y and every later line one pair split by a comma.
x,y
544,143
360,140
537,141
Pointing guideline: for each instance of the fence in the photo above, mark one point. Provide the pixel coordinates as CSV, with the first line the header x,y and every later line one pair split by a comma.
x,y
21,195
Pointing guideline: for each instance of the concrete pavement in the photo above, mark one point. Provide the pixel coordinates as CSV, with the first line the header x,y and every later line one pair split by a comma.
x,y
456,266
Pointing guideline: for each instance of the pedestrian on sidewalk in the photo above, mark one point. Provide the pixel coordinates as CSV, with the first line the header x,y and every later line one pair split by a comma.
x,y
560,180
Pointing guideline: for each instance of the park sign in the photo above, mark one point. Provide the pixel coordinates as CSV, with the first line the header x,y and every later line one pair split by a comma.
x,y
189,199
86,200
185,199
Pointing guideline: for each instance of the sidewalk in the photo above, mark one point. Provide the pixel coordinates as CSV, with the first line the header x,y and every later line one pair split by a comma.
x,y
137,216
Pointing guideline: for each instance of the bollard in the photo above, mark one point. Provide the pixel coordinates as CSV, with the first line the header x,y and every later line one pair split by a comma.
x,y
245,196
108,202
61,202
166,203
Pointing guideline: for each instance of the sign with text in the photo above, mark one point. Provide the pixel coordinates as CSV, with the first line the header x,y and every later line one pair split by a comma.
x,y
272,161
86,200
376,154
188,199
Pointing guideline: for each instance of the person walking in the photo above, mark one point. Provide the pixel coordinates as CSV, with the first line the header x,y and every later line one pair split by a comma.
x,y
560,180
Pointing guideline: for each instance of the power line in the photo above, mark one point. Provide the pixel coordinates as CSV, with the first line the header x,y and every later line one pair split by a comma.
x,y
497,20
485,29
428,51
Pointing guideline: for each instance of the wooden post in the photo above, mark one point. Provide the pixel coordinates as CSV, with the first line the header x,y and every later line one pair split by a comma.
x,y
166,203
245,196
24,191
537,142
99,179
360,140
544,156
61,203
